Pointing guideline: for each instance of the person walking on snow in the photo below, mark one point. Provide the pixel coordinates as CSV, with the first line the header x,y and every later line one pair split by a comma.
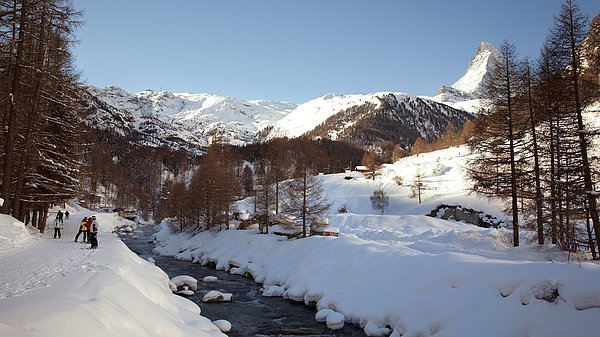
x,y
89,228
82,229
93,235
67,215
59,216
57,224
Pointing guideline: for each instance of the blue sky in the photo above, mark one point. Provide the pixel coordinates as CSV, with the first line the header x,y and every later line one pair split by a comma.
x,y
295,51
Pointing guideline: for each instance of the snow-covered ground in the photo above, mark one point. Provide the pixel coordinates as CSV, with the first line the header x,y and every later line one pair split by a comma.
x,y
407,274
57,287
401,273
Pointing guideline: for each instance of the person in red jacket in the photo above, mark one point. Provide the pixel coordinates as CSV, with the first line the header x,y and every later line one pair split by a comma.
x,y
89,227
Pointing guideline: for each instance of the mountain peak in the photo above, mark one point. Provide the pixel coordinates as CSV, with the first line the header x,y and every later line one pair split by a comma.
x,y
486,56
485,47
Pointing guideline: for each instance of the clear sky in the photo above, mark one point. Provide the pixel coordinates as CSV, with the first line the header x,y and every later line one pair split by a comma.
x,y
298,50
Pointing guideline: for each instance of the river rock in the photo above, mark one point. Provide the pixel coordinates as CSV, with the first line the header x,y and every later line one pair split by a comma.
x,y
210,279
217,296
185,280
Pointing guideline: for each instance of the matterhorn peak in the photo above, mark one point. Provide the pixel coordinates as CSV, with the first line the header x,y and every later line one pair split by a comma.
x,y
487,55
486,47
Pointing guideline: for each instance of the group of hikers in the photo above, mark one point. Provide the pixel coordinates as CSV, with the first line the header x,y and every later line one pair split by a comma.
x,y
88,226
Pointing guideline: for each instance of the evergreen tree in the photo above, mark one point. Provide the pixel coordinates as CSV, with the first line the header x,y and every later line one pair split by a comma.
x,y
498,140
566,38
40,104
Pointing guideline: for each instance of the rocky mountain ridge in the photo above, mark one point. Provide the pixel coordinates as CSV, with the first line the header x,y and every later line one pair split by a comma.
x,y
192,121
180,120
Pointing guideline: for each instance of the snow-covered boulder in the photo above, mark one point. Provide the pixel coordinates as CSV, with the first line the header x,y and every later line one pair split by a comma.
x,y
223,325
216,296
185,280
372,329
321,315
210,279
335,321
271,291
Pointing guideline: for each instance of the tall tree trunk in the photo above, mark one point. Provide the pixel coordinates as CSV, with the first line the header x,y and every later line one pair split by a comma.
x,y
553,215
42,218
589,186
32,120
304,187
9,142
513,173
536,163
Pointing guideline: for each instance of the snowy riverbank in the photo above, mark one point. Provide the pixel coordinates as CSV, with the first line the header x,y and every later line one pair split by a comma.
x,y
408,274
56,287
379,286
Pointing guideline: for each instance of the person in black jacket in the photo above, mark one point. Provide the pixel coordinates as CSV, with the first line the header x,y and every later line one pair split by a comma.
x,y
93,233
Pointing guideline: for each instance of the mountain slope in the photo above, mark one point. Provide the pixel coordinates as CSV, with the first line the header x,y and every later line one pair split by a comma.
x,y
181,119
369,118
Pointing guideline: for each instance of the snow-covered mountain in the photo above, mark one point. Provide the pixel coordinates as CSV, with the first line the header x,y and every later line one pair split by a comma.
x,y
309,115
364,119
467,92
479,66
181,120
192,121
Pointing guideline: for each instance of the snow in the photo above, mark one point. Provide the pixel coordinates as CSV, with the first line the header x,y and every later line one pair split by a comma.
x,y
415,274
467,93
185,280
271,291
57,287
223,325
335,321
192,117
402,273
307,116
478,67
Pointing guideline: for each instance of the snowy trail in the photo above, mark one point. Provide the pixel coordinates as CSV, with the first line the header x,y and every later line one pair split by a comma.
x,y
44,259
46,283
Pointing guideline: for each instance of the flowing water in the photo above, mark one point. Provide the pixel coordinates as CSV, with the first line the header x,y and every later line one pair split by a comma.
x,y
250,313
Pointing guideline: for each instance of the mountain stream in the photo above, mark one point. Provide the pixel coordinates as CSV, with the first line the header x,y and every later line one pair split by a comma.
x,y
250,313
